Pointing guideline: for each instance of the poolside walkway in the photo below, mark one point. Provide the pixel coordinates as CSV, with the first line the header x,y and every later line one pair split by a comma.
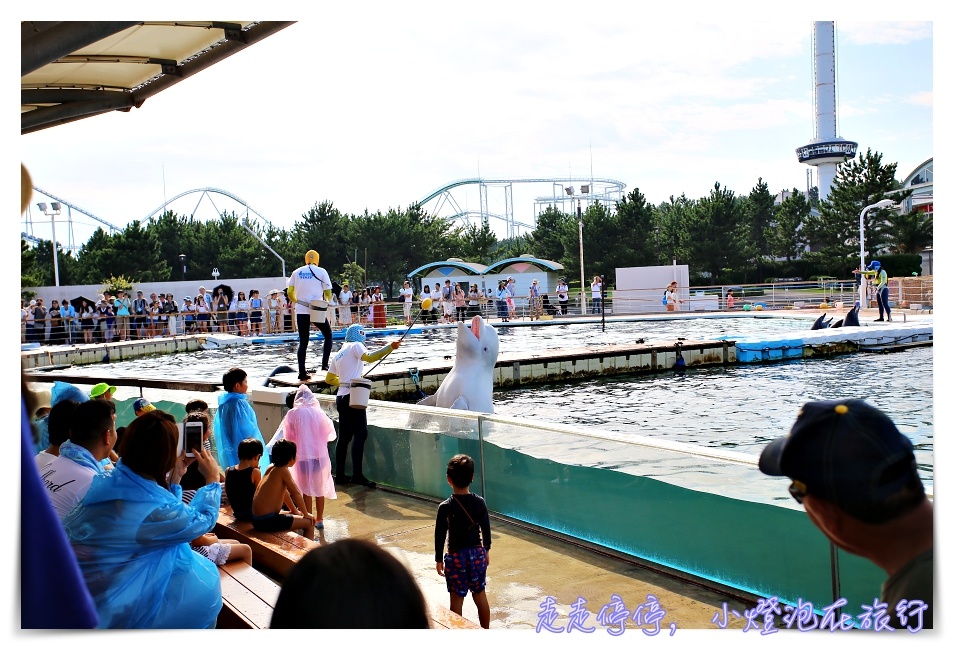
x,y
525,567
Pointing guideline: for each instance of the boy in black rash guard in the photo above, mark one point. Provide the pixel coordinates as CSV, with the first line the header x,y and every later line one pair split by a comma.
x,y
241,480
464,522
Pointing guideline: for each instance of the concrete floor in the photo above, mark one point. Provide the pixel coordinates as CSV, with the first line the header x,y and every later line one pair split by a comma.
x,y
525,567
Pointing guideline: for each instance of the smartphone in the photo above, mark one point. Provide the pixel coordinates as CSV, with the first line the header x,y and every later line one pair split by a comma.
x,y
193,437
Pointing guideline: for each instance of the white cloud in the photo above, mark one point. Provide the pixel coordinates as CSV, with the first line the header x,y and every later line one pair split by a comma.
x,y
884,33
920,99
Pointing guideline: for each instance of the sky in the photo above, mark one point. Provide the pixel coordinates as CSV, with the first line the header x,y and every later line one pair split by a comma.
x,y
377,109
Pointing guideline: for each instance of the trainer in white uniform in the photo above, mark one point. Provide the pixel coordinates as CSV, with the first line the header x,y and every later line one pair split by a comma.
x,y
307,283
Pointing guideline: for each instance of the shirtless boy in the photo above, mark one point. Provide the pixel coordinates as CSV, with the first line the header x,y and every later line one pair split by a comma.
x,y
276,487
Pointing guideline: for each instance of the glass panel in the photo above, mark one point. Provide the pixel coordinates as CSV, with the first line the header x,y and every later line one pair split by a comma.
x,y
682,507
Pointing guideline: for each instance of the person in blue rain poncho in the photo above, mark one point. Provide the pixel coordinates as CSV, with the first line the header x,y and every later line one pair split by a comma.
x,y
131,534
235,420
60,391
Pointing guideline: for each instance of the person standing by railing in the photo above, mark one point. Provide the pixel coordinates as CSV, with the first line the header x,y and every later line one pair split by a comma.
x,y
70,323
122,305
563,295
460,301
533,297
242,308
56,324
672,297
86,321
729,299
26,318
511,297
473,302
345,299
407,297
596,294
502,312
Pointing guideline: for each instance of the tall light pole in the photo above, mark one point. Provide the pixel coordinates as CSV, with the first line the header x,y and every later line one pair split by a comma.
x,y
579,220
182,259
863,288
54,209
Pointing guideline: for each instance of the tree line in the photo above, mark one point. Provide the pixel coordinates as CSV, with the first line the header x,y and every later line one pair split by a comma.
x,y
724,237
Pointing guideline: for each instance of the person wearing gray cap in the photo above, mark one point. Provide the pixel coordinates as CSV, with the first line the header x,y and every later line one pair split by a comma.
x,y
857,478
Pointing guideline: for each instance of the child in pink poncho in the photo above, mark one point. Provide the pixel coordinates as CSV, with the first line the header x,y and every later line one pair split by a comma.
x,y
311,430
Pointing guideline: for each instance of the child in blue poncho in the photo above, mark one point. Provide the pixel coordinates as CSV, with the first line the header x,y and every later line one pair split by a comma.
x,y
131,534
235,420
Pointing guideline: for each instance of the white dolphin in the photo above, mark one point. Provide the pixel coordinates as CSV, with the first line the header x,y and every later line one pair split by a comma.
x,y
470,384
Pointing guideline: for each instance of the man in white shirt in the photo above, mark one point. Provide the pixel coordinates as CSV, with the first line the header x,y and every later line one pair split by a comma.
x,y
447,302
407,297
58,424
307,283
92,435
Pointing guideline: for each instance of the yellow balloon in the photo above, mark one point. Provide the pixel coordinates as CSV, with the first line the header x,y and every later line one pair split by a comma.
x,y
426,304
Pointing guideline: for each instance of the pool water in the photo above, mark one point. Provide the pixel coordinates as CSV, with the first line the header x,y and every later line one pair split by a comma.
x,y
738,408
742,407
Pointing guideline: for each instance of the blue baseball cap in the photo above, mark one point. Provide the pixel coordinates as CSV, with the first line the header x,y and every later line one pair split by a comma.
x,y
144,405
875,264
849,453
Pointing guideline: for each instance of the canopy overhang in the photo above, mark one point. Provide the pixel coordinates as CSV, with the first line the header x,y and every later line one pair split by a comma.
x,y
72,70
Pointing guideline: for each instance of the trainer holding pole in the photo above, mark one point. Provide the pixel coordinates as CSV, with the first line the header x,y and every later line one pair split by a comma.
x,y
309,287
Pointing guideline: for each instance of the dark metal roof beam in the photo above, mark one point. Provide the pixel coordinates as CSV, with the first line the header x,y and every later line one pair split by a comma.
x,y
63,95
62,39
47,116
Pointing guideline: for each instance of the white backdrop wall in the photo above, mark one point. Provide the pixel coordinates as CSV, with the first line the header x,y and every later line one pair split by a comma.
x,y
178,289
640,288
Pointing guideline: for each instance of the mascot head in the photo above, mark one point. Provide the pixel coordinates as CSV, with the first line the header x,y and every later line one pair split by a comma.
x,y
355,334
311,257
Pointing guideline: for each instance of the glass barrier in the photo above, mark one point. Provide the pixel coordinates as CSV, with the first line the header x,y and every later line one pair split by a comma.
x,y
706,513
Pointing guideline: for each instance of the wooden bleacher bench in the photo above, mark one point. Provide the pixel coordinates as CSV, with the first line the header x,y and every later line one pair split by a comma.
x,y
275,552
444,619
248,597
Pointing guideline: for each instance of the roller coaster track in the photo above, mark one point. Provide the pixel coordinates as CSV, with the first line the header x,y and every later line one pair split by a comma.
x,y
27,232
610,190
205,194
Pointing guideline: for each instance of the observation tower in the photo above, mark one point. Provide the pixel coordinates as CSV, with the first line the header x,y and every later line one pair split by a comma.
x,y
826,150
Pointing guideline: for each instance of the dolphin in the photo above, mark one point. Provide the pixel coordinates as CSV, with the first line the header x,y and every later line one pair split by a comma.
x,y
470,384
820,323
851,318
839,323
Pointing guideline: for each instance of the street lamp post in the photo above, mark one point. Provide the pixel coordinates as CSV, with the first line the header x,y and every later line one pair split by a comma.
x,y
579,219
863,287
52,212
182,259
